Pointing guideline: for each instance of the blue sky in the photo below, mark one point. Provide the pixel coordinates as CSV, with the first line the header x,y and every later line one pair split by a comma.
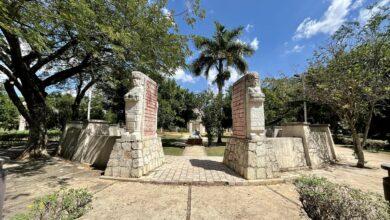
x,y
285,32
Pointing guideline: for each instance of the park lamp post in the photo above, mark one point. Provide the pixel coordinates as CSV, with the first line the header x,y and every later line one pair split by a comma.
x,y
89,104
302,77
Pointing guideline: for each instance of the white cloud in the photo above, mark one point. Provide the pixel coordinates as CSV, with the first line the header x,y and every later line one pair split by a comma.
x,y
182,76
254,43
365,14
248,27
296,49
357,4
234,76
333,18
3,77
166,12
25,47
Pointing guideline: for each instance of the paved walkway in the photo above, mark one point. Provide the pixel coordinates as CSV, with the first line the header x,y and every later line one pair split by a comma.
x,y
194,170
130,200
195,150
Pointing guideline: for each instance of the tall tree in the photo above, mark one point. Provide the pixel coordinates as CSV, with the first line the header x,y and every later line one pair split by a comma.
x,y
351,74
222,51
44,42
8,113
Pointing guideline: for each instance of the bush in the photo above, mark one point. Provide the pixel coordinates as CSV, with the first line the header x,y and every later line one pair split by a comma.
x,y
64,204
19,136
322,199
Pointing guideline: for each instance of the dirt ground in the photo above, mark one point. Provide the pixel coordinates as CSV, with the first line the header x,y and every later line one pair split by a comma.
x,y
127,200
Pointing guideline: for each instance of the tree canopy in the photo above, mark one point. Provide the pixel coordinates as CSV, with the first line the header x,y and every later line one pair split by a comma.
x,y
43,43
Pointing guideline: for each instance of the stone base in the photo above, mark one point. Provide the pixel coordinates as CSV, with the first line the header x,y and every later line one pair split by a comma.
x,y
265,158
134,158
251,159
89,142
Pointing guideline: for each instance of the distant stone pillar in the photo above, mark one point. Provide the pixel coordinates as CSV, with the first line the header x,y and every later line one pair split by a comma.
x,y
22,123
247,152
139,150
189,127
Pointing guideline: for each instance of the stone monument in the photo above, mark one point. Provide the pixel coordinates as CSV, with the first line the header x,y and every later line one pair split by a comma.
x,y
254,156
246,151
139,150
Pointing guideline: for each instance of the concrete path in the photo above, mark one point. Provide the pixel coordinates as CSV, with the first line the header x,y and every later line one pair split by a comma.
x,y
195,150
129,200
194,170
139,201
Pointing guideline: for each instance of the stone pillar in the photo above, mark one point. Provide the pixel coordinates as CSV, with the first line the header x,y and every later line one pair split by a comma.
x,y
139,150
248,152
189,127
248,108
22,123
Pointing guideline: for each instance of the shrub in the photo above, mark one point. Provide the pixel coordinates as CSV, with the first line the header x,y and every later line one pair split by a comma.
x,y
322,199
64,204
19,136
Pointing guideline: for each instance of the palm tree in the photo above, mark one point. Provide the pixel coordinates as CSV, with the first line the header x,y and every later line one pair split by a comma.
x,y
222,51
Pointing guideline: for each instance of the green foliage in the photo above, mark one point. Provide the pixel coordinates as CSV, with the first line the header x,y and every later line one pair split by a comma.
x,y
60,111
176,105
283,99
64,204
43,43
350,74
210,108
322,199
19,136
9,115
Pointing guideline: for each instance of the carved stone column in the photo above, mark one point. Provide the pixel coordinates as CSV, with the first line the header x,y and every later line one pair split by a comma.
x,y
139,150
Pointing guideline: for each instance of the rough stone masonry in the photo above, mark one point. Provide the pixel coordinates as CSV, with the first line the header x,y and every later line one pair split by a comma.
x,y
254,156
139,150
247,152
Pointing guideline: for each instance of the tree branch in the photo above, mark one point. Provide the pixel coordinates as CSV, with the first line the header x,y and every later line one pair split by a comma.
x,y
62,75
15,51
31,57
53,56
16,100
10,76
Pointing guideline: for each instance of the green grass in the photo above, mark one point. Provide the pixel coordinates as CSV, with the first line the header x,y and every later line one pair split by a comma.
x,y
173,151
215,151
170,148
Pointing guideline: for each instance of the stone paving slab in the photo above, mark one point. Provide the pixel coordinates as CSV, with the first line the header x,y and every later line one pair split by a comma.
x,y
192,170
195,150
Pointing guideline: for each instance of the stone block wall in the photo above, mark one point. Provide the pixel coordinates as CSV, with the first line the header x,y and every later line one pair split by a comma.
x,y
248,107
89,142
317,142
239,109
265,158
139,150
134,158
251,159
254,156
289,153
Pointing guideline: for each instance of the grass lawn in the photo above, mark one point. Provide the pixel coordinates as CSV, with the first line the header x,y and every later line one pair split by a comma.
x,y
173,151
215,151
170,142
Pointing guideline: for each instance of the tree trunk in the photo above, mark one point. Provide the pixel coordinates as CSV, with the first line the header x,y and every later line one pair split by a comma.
x,y
76,110
357,148
220,128
368,124
36,146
